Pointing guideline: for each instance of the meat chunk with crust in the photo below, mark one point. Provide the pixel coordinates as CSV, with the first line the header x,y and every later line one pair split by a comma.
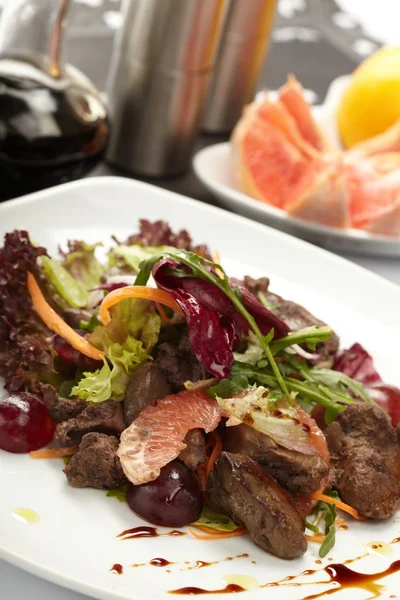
x,y
146,385
294,315
60,409
366,460
255,286
104,417
96,463
195,452
299,474
179,364
243,490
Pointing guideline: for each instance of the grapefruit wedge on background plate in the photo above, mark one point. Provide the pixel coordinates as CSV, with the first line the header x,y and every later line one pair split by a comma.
x,y
213,166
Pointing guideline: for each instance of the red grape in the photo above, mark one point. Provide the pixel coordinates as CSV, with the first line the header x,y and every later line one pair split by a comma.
x,y
70,355
174,499
24,423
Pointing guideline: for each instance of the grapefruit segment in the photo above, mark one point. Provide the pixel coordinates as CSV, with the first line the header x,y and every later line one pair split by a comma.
x,y
291,96
324,198
389,141
267,165
156,436
374,191
277,114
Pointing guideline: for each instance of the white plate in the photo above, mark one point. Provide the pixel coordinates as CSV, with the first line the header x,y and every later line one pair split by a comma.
x,y
214,168
74,544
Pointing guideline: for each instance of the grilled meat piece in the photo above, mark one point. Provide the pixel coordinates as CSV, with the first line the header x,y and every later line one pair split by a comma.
x,y
366,460
255,286
242,489
195,452
299,474
294,315
60,409
96,463
179,364
104,417
146,385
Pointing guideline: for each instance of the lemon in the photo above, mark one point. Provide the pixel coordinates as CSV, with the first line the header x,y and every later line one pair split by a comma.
x,y
371,103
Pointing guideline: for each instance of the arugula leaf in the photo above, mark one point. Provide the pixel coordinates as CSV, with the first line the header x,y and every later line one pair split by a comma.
x,y
71,290
83,265
337,380
329,513
329,541
312,527
214,520
119,493
226,388
110,382
67,459
309,335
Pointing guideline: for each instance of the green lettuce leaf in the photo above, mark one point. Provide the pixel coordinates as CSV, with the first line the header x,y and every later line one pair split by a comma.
x,y
254,407
83,265
110,382
71,290
213,520
132,317
133,255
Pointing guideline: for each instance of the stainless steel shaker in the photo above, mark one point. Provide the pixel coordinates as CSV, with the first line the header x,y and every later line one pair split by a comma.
x,y
159,77
244,43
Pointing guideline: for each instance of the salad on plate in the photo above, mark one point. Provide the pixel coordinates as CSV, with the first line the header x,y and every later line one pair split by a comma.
x,y
199,399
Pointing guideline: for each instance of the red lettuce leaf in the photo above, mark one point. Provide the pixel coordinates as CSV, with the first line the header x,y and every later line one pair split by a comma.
x,y
211,335
214,323
359,365
26,352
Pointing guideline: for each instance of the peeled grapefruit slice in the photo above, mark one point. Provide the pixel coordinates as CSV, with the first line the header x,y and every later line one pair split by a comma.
x,y
374,192
389,141
156,436
291,96
267,165
324,197
278,115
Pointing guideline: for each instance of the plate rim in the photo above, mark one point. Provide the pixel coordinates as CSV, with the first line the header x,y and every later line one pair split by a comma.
x,y
181,198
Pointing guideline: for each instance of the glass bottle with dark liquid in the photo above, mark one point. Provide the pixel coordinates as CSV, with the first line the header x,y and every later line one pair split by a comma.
x,y
53,123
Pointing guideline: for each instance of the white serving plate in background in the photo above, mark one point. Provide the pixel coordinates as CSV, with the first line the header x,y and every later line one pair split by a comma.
x,y
74,544
213,166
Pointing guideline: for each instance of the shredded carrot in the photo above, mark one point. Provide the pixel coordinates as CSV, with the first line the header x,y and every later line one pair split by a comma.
x,y
135,291
214,441
216,451
339,522
54,452
57,324
316,537
162,313
339,504
212,534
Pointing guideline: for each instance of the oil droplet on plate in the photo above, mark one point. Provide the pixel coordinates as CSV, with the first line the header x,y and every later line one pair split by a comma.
x,y
244,581
379,548
26,515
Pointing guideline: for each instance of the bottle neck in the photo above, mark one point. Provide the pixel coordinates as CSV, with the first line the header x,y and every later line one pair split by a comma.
x,y
33,31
